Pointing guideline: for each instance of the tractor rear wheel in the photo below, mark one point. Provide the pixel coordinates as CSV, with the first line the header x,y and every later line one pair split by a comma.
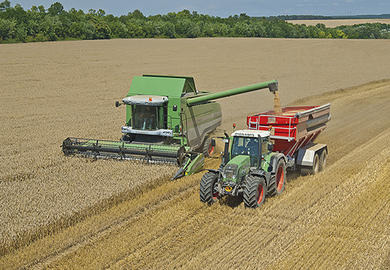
x,y
208,188
254,192
323,157
208,148
278,180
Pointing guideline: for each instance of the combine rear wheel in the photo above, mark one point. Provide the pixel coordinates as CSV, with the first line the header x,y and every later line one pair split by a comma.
x,y
323,157
254,192
278,181
208,147
208,188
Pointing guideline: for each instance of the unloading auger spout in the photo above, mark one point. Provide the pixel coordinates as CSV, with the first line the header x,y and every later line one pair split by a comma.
x,y
271,85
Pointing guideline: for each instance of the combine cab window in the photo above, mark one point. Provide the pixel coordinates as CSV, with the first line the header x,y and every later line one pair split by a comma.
x,y
145,117
246,146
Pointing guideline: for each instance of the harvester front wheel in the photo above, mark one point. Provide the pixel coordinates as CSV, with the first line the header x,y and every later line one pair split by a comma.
x,y
254,192
208,147
208,188
323,157
278,180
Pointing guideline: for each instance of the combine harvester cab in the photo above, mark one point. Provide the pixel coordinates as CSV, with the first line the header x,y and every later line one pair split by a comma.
x,y
167,121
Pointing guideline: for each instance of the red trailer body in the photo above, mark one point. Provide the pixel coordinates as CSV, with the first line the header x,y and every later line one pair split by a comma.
x,y
295,128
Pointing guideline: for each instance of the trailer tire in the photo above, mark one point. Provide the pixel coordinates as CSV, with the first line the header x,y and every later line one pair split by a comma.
x,y
278,180
323,157
207,191
208,148
316,164
254,192
314,169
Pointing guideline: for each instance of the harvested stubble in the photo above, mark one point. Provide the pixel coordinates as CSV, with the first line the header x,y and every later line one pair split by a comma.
x,y
337,219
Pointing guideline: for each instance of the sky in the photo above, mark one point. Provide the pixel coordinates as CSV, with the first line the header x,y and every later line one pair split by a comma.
x,y
225,8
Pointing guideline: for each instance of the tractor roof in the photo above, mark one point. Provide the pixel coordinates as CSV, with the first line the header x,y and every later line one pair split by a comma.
x,y
251,133
161,85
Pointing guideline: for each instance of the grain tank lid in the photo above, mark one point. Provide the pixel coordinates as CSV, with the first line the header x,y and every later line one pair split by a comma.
x,y
160,85
150,100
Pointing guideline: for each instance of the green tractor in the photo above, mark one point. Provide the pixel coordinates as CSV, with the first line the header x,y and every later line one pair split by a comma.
x,y
249,169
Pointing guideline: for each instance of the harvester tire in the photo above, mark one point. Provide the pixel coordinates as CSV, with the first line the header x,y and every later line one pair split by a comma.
x,y
254,192
208,148
208,193
323,157
278,180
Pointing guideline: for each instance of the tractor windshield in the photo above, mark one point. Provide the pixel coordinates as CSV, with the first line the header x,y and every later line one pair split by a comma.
x,y
145,117
246,146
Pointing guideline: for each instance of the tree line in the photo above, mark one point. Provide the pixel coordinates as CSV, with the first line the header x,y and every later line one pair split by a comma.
x,y
55,23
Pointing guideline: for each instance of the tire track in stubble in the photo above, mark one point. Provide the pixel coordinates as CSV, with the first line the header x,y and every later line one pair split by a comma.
x,y
339,227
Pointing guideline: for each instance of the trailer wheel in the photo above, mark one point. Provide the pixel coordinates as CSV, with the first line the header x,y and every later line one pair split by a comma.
x,y
254,192
278,181
314,169
208,188
208,147
316,164
323,157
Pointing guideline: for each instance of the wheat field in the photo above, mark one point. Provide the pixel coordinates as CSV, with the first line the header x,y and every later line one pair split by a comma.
x,y
336,219
61,212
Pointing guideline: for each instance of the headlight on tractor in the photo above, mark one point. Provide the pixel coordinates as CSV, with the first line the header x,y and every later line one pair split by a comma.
x,y
230,171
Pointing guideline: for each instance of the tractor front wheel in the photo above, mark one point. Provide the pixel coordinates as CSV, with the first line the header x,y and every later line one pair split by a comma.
x,y
208,188
254,192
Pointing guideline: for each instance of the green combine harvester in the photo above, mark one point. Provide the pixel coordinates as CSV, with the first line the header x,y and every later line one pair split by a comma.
x,y
167,121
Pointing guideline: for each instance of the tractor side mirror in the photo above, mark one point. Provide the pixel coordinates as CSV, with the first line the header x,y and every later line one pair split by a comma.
x,y
212,142
270,147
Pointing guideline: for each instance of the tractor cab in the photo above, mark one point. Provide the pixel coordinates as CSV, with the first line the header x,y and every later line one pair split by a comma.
x,y
252,143
244,150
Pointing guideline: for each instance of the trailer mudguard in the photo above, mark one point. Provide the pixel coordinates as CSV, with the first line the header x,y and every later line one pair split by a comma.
x,y
305,156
